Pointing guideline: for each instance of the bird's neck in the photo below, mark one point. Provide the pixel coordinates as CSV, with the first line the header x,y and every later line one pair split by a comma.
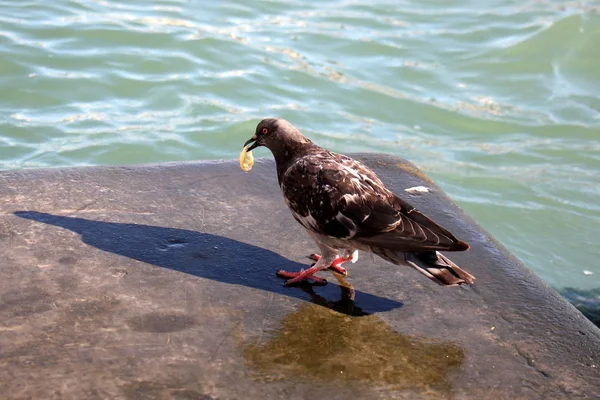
x,y
287,154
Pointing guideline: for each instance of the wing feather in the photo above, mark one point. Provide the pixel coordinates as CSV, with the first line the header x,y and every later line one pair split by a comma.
x,y
334,195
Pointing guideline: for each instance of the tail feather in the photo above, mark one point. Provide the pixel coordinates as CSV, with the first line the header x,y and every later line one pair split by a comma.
x,y
432,264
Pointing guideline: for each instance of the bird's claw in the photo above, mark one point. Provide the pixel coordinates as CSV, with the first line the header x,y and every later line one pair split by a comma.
x,y
314,257
339,269
294,278
335,265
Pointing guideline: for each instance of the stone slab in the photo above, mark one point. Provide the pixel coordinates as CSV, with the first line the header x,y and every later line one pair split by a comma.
x,y
157,282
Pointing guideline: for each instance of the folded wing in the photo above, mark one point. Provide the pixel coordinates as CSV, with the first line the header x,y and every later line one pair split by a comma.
x,y
337,196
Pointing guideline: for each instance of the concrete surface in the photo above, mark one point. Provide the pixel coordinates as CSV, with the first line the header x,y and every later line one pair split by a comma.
x,y
158,282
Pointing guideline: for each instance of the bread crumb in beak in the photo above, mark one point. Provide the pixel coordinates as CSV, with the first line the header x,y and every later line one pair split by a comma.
x,y
246,159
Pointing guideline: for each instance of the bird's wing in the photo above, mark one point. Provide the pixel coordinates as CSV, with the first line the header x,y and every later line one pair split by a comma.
x,y
334,195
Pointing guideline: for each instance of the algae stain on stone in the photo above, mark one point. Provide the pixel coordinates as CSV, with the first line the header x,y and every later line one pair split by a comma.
x,y
413,170
316,343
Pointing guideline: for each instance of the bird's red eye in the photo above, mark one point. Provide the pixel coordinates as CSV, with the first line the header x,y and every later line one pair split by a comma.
x,y
265,131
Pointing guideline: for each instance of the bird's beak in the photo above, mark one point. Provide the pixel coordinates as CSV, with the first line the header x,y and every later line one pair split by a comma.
x,y
252,139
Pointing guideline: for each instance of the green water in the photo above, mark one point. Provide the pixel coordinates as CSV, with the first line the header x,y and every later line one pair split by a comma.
x,y
498,101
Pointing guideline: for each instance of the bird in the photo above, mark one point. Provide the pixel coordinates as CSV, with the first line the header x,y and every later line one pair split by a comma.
x,y
346,208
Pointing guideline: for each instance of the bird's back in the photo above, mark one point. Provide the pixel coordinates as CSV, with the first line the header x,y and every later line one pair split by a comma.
x,y
334,195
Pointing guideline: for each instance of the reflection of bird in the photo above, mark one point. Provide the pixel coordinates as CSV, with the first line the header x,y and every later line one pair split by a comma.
x,y
345,207
344,305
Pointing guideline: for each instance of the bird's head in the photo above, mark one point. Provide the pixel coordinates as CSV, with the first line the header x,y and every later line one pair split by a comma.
x,y
277,135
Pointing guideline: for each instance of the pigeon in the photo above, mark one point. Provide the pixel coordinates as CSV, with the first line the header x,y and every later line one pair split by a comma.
x,y
345,208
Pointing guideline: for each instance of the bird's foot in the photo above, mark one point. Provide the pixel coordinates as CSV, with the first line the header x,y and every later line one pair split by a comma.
x,y
336,265
301,277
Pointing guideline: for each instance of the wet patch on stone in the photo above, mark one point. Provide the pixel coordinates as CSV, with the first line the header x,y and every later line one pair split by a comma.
x,y
200,256
67,282
157,390
176,242
68,260
118,272
161,322
97,311
172,244
25,302
316,343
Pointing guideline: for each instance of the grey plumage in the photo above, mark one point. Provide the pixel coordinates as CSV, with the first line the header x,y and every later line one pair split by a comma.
x,y
345,207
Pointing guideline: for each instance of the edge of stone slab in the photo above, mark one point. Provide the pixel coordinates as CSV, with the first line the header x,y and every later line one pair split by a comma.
x,y
406,165
144,165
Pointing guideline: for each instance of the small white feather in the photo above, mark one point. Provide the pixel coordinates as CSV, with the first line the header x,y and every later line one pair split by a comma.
x,y
418,189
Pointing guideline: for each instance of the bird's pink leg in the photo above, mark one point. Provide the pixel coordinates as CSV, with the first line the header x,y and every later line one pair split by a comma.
x,y
336,265
303,275
329,256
